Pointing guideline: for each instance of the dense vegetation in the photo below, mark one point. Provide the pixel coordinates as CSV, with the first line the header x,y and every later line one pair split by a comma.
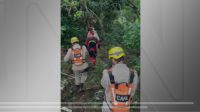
x,y
117,23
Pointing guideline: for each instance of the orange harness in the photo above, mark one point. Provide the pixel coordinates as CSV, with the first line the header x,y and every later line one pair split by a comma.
x,y
77,56
121,93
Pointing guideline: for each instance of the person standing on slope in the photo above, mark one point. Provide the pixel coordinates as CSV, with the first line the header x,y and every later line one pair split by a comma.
x,y
77,55
120,83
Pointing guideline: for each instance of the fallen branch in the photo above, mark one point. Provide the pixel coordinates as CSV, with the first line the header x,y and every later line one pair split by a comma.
x,y
67,75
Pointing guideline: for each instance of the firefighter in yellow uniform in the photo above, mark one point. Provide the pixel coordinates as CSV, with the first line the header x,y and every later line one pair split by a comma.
x,y
77,54
120,83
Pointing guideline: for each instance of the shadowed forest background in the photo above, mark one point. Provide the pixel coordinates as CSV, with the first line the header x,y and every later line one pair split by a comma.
x,y
117,23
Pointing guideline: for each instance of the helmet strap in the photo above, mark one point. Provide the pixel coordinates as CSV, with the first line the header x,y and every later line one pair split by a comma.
x,y
120,60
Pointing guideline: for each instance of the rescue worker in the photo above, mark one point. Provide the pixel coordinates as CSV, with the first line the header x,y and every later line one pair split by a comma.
x,y
120,83
77,55
93,43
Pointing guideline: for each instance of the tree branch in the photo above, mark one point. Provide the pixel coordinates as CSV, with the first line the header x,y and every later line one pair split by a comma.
x,y
99,20
134,7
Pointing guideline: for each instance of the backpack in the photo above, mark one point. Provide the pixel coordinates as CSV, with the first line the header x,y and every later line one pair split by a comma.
x,y
121,93
77,56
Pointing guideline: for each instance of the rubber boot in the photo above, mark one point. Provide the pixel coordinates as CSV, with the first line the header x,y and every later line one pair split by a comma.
x,y
76,88
81,87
